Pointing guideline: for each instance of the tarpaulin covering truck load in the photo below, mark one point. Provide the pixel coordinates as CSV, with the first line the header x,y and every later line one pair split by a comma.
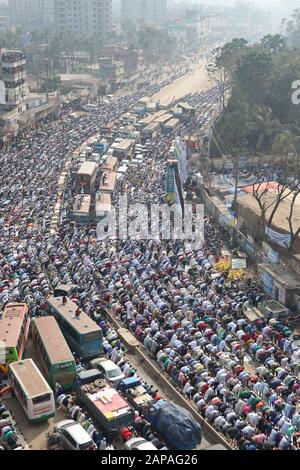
x,y
175,425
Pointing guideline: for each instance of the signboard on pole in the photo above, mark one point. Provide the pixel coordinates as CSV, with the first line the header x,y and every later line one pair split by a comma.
x,y
239,263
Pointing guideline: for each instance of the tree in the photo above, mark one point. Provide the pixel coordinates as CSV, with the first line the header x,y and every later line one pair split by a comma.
x,y
284,144
253,76
260,191
293,231
293,29
222,67
273,43
264,127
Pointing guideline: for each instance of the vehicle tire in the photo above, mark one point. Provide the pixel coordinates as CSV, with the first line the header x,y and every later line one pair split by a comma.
x,y
100,383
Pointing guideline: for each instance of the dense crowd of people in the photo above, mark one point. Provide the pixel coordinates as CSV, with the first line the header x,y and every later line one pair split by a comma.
x,y
188,316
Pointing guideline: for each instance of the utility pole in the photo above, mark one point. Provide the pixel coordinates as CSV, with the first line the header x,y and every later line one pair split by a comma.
x,y
47,79
210,134
235,206
37,75
236,169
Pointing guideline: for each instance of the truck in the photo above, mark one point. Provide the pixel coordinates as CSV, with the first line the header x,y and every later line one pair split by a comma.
x,y
134,392
109,409
176,426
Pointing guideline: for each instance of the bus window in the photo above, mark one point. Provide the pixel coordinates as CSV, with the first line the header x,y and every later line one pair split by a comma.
x,y
41,399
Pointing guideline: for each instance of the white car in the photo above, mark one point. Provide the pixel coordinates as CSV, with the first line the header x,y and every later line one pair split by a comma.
x,y
139,443
90,107
110,370
73,436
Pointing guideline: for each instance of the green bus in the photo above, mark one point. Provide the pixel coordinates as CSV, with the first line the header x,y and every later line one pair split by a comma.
x,y
82,334
56,360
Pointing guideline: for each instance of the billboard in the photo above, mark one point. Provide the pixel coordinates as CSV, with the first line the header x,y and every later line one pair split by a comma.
x,y
280,239
239,263
2,92
180,154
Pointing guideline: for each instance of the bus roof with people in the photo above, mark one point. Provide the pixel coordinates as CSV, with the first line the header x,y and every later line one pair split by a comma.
x,y
83,335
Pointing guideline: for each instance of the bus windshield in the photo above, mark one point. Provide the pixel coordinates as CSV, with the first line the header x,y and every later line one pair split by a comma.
x,y
92,336
41,399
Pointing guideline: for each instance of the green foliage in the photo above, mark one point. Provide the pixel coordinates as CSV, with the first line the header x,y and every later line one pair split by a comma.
x,y
260,106
51,85
293,29
11,39
222,67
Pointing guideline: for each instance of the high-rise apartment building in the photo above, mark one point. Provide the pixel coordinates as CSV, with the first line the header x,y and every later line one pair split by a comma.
x,y
31,15
144,11
84,17
4,22
12,78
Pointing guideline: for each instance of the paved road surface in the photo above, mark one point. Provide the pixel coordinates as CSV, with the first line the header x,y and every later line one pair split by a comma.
x,y
193,82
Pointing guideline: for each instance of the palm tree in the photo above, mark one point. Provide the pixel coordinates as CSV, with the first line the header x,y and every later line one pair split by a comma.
x,y
284,144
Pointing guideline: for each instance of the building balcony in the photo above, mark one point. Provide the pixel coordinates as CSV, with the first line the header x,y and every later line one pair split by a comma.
x,y
11,70
9,57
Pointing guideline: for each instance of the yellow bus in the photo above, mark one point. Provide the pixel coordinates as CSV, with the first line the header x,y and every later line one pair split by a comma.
x,y
14,329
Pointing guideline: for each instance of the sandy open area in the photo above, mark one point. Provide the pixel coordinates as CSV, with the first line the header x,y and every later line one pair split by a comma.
x,y
193,82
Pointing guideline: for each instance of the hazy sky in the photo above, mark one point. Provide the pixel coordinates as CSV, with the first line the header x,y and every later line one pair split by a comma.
x,y
264,4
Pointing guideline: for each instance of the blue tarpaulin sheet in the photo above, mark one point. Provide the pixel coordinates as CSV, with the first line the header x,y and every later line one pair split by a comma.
x,y
176,425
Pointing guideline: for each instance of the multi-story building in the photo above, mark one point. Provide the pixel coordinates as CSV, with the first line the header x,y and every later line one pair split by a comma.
x,y
194,32
84,17
12,78
31,15
138,12
12,91
19,108
111,72
4,22
120,52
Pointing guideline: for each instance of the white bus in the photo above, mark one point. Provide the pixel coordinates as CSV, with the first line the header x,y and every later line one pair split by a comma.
x,y
32,390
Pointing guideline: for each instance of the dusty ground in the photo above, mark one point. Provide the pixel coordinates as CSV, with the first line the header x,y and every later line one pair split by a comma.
x,y
195,81
34,434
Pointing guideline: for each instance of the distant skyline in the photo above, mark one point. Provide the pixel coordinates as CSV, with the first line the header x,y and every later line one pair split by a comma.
x,y
263,4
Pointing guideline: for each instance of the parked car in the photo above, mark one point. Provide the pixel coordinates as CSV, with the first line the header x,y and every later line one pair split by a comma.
x,y
139,443
111,372
73,436
216,447
296,341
